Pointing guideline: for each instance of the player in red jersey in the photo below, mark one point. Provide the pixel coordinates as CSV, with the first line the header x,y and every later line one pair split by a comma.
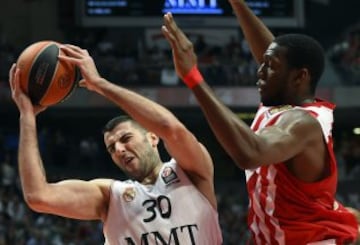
x,y
287,153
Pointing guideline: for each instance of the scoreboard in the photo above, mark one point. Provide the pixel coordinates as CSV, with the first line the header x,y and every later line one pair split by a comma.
x,y
200,13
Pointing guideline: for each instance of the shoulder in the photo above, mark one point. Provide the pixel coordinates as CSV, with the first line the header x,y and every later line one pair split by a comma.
x,y
297,112
300,122
299,117
103,184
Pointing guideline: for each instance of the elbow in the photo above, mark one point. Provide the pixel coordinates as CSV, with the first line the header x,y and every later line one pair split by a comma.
x,y
249,165
34,201
245,163
246,160
174,131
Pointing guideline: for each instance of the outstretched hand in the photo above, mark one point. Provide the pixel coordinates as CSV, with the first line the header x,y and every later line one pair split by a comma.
x,y
21,100
81,58
182,48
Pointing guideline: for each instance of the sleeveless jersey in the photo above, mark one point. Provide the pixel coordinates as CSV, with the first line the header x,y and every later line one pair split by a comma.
x,y
171,211
286,210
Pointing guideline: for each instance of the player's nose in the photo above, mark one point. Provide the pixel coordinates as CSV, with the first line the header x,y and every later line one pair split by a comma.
x,y
119,148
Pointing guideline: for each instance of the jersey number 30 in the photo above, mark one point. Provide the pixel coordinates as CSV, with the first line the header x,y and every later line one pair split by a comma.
x,y
161,203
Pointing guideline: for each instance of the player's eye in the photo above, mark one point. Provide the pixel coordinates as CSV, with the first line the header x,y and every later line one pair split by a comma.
x,y
126,139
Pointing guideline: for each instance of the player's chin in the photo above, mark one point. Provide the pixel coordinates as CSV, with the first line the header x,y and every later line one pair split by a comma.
x,y
269,102
265,101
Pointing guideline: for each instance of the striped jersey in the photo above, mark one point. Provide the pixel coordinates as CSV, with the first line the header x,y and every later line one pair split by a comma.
x,y
286,210
170,211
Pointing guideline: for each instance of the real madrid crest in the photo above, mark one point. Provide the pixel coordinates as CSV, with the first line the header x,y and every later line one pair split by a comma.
x,y
129,194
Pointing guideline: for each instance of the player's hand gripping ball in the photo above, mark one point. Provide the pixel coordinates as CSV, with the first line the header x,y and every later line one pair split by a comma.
x,y
43,77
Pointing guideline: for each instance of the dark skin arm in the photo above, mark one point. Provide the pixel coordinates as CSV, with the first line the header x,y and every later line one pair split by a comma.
x,y
256,33
292,140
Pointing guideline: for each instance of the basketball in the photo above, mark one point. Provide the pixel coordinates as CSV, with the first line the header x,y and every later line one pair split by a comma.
x,y
43,77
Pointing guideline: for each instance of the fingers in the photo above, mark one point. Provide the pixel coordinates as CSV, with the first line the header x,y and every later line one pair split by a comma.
x,y
82,83
11,75
72,48
169,36
74,51
14,76
73,54
169,32
175,35
171,28
14,81
75,61
12,71
170,23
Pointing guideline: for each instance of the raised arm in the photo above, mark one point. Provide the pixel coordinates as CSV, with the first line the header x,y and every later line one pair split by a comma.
x,y
180,142
256,33
247,149
72,198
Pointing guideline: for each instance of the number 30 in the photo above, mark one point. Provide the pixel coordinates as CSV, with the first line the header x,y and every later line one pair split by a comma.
x,y
162,203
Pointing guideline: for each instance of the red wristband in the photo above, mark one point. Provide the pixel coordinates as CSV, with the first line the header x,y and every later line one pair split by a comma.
x,y
193,78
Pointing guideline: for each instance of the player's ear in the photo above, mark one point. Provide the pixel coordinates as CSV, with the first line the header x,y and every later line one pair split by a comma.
x,y
153,139
301,76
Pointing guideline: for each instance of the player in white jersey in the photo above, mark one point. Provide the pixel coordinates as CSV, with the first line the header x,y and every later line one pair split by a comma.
x,y
172,203
163,210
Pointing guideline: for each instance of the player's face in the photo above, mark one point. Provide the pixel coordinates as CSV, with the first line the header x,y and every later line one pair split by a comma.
x,y
132,149
274,77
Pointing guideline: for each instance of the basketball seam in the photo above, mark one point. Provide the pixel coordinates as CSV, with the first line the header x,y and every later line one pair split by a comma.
x,y
73,86
52,79
32,65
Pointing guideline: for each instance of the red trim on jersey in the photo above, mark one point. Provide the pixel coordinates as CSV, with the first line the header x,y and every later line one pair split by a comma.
x,y
257,124
291,210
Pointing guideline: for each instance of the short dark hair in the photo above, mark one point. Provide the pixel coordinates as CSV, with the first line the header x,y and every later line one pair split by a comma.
x,y
111,124
304,52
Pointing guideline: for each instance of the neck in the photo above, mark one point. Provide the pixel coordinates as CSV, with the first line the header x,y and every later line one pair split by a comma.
x,y
300,100
152,177
308,100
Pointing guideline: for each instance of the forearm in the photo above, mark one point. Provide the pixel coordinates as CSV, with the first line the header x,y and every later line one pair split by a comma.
x,y
234,135
151,115
256,33
31,170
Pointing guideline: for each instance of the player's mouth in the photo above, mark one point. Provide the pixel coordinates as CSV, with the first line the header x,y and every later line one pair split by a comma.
x,y
261,85
126,161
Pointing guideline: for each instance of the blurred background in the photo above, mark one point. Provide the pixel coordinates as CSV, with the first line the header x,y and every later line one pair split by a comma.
x,y
125,40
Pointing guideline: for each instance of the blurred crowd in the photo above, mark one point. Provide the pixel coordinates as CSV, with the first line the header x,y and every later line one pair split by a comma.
x,y
345,55
227,64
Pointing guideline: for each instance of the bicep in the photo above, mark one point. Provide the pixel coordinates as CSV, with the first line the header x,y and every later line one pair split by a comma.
x,y
285,140
86,200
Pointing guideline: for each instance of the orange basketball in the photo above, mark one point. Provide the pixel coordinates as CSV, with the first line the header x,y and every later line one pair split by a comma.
x,y
43,77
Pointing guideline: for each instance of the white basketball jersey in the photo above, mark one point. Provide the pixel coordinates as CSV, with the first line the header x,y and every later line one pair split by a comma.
x,y
172,211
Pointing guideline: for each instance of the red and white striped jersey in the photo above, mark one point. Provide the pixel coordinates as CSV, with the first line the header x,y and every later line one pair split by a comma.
x,y
286,210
